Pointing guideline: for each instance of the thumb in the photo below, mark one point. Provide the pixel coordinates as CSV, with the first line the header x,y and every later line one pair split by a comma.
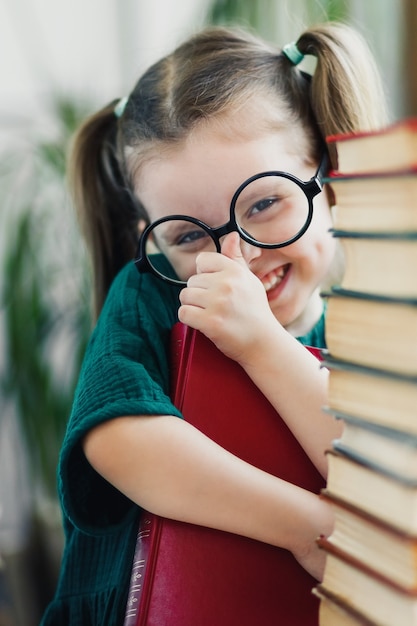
x,y
231,247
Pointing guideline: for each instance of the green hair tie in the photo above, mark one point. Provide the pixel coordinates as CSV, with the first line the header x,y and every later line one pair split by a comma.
x,y
119,109
292,53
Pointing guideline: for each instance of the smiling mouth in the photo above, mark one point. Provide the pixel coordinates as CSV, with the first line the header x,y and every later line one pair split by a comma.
x,y
273,279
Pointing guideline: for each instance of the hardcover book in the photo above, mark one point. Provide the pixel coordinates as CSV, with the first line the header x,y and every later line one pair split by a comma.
x,y
370,541
389,149
336,611
374,489
187,575
379,264
382,397
368,593
390,448
374,331
375,203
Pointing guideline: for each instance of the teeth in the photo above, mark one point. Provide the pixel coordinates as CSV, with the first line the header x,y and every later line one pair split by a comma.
x,y
273,279
272,283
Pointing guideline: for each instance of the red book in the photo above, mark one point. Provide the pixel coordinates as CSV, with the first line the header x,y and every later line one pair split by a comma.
x,y
187,575
387,150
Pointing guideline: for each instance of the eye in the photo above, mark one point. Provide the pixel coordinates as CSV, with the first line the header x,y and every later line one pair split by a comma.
x,y
191,237
261,205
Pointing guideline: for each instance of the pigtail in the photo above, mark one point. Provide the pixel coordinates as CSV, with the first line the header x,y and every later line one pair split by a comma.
x,y
346,90
107,211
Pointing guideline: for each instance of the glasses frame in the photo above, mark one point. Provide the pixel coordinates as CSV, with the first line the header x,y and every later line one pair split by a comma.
x,y
311,189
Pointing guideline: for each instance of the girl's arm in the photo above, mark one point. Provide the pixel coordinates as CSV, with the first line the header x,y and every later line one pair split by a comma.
x,y
296,386
170,468
228,303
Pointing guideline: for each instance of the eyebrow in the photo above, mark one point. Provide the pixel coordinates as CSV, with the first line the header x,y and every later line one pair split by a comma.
x,y
263,185
173,230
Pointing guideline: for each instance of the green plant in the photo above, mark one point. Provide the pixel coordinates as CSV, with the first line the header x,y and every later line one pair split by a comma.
x,y
270,17
46,311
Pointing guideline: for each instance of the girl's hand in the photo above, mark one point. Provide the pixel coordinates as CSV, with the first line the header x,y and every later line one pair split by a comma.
x,y
320,522
313,560
227,302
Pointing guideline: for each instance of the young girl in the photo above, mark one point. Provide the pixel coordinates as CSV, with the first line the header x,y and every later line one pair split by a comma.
x,y
226,130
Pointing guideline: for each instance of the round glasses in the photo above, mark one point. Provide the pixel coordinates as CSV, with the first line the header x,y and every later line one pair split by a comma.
x,y
269,210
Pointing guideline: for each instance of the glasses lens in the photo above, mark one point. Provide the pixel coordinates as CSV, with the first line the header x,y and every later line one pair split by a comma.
x,y
272,209
180,240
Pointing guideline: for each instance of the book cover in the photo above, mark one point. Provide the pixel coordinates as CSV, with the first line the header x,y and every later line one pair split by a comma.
x,y
393,147
374,543
379,263
379,396
374,489
184,575
372,330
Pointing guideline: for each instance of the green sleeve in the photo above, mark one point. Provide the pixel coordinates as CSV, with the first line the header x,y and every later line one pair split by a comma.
x,y
316,336
125,372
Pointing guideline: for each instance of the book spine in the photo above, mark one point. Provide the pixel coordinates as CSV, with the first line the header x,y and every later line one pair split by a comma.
x,y
181,346
139,568
182,338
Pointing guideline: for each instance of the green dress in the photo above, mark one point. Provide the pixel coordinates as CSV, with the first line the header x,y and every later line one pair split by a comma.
x,y
125,372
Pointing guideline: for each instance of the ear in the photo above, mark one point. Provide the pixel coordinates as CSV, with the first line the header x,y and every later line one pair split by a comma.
x,y
142,224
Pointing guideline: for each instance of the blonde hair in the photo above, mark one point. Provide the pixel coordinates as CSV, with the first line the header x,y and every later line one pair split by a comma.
x,y
346,91
208,76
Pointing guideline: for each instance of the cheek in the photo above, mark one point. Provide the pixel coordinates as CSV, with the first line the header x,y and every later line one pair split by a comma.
x,y
322,215
317,237
327,250
316,249
184,265
324,259
324,242
320,226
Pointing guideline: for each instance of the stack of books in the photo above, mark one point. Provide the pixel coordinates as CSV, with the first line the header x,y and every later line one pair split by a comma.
x,y
371,331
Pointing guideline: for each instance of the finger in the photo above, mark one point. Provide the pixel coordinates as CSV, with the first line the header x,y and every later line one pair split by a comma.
x,y
207,279
193,297
208,262
191,316
231,248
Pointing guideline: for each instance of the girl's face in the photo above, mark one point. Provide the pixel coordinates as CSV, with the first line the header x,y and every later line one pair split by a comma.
x,y
199,179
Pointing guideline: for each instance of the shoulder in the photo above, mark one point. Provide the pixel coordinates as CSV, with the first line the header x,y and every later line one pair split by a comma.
x,y
143,292
133,327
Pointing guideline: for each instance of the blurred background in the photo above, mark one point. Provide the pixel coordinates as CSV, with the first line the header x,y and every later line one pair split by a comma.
x,y
60,62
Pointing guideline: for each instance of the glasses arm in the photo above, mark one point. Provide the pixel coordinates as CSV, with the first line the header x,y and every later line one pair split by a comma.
x,y
323,168
315,185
